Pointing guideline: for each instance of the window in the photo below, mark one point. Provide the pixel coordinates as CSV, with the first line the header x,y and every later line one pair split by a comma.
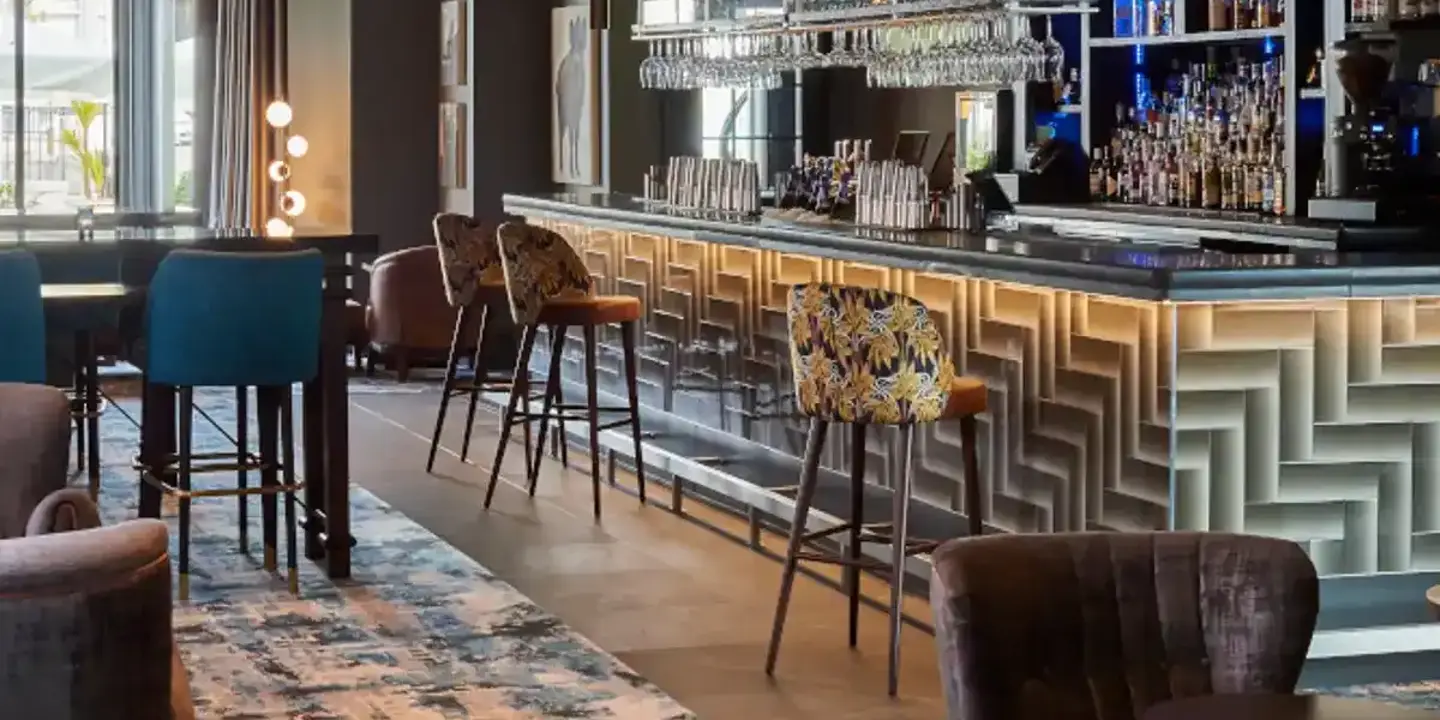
x,y
67,129
757,125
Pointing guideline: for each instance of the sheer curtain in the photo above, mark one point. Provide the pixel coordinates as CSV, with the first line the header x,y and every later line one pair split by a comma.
x,y
244,73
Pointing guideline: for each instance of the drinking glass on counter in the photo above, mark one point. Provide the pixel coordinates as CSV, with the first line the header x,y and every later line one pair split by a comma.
x,y
711,184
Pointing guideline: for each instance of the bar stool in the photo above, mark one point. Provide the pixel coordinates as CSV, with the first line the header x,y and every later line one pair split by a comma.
x,y
474,278
22,319
867,357
548,285
236,320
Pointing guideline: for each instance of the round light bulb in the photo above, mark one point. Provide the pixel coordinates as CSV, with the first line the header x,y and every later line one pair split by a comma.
x,y
277,228
292,203
297,146
279,170
279,114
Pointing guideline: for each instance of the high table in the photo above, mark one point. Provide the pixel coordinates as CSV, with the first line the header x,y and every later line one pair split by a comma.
x,y
1282,707
106,275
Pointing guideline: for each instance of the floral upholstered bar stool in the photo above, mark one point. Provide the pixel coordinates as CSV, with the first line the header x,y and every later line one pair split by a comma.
x,y
549,286
863,357
474,280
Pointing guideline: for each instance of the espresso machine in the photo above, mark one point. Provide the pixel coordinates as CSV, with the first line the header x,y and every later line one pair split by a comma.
x,y
1386,171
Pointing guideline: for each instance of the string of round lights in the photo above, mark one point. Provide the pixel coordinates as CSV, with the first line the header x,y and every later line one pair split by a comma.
x,y
291,205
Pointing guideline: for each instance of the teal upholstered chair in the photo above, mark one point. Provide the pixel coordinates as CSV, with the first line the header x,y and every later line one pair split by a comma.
x,y
237,320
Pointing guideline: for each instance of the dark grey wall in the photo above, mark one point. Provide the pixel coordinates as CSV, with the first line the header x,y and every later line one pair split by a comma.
x,y
395,95
858,111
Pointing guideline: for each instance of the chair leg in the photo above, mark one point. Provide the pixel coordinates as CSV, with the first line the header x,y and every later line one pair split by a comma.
x,y
809,478
92,413
267,413
592,412
857,523
287,470
632,388
552,388
522,366
183,455
242,456
402,365
476,382
899,521
974,511
447,388
79,401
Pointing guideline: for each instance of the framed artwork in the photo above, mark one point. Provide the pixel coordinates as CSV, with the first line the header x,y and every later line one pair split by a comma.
x,y
452,145
453,31
575,79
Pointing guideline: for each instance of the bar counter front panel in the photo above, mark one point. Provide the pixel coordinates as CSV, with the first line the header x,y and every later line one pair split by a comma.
x,y
1315,419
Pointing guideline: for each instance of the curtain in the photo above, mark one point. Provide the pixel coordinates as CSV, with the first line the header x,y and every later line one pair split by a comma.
x,y
144,92
244,78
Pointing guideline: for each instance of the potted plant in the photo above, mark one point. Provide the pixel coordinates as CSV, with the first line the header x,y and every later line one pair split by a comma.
x,y
92,163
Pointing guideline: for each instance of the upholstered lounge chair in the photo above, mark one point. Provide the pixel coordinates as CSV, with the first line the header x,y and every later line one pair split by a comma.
x,y
34,450
1100,626
85,626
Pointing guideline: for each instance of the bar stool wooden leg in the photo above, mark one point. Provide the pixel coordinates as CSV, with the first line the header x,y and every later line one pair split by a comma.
x,y
627,340
809,478
974,511
287,470
448,388
92,412
592,405
477,382
79,401
183,452
522,366
267,416
242,457
900,521
552,389
857,523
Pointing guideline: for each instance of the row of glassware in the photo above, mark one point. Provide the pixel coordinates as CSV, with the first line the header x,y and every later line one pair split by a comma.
x,y
985,50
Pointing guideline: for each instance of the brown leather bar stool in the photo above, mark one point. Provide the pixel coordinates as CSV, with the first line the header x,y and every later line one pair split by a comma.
x,y
866,357
474,279
550,287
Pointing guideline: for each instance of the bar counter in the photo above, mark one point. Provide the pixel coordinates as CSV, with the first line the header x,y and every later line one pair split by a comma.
x,y
1133,386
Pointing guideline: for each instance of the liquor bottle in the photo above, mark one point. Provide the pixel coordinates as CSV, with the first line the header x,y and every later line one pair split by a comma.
x,y
1097,175
1219,15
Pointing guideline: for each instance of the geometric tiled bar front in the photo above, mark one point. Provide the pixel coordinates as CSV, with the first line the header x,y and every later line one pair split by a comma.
x,y
1316,420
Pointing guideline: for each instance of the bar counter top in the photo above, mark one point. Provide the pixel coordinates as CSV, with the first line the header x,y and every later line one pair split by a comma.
x,y
1133,267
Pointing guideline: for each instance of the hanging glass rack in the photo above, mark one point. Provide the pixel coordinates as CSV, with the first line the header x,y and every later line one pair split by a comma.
x,y
972,44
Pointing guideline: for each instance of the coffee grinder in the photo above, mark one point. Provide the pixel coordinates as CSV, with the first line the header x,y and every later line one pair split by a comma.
x,y
1385,144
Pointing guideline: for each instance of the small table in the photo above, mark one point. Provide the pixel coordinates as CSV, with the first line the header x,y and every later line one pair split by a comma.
x,y
1283,707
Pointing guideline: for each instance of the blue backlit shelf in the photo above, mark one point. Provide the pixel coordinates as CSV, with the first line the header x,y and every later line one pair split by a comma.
x,y
1196,38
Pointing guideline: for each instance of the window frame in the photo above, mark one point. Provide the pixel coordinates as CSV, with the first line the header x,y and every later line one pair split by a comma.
x,y
156,165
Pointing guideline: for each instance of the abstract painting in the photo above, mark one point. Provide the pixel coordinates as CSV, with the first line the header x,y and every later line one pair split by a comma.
x,y
574,62
452,145
453,32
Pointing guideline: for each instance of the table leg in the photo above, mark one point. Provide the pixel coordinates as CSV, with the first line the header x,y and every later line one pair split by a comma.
x,y
312,420
157,443
334,380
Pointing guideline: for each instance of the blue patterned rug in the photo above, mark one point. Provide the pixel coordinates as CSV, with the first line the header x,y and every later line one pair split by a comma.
x,y
421,631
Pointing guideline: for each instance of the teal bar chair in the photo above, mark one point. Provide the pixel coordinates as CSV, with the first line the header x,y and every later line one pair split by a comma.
x,y
239,321
22,319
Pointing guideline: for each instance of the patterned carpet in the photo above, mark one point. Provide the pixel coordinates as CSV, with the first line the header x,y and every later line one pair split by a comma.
x,y
421,631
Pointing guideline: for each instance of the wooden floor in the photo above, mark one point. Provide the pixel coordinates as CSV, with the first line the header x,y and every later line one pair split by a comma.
x,y
684,607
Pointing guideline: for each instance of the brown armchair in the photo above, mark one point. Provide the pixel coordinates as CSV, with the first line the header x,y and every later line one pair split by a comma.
x,y
1100,626
409,320
85,619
